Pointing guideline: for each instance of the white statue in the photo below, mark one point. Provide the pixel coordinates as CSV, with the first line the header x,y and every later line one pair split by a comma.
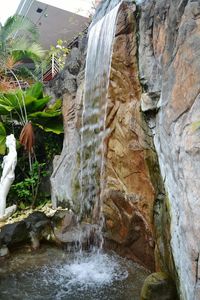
x,y
8,176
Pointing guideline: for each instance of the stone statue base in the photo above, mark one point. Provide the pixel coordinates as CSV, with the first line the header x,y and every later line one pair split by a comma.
x,y
9,211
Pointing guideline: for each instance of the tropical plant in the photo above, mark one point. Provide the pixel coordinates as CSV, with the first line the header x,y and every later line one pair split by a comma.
x,y
17,42
27,108
28,188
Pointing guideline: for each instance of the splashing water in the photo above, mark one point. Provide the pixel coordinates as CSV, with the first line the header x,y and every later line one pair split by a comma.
x,y
91,271
92,276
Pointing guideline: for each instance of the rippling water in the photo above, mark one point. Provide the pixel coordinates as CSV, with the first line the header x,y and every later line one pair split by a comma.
x,y
52,274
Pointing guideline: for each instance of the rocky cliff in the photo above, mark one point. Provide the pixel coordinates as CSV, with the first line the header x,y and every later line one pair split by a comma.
x,y
153,111
169,63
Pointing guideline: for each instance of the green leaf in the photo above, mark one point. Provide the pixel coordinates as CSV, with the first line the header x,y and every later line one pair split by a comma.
x,y
5,110
43,115
37,104
15,102
54,125
2,139
55,106
22,205
36,90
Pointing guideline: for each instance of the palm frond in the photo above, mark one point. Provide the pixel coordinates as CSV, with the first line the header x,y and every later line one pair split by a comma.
x,y
27,137
19,25
33,51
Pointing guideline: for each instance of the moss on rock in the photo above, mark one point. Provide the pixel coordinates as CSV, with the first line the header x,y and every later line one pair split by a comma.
x,y
158,286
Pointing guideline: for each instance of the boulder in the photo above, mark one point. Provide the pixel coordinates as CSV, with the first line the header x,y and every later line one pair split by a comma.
x,y
34,228
158,286
68,231
12,234
39,227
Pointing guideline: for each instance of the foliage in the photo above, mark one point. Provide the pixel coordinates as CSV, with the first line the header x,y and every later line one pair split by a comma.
x,y
18,108
52,144
28,188
2,138
60,52
13,50
47,146
57,53
30,105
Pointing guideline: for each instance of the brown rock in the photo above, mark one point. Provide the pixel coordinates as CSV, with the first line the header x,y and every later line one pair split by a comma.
x,y
129,195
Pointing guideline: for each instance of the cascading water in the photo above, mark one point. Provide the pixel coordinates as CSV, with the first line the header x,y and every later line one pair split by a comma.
x,y
93,132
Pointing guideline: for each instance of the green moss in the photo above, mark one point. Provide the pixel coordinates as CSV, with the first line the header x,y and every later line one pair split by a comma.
x,y
158,286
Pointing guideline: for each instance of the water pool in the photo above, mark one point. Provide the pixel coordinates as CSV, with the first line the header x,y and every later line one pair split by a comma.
x,y
52,274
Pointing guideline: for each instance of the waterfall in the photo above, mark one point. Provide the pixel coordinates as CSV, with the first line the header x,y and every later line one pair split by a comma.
x,y
93,132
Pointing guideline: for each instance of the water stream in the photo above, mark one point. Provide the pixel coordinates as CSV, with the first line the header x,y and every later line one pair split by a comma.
x,y
93,132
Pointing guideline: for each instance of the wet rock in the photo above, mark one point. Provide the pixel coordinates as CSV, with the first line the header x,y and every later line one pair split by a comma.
x,y
13,234
34,228
67,230
129,193
127,230
79,235
36,221
64,220
158,286
39,227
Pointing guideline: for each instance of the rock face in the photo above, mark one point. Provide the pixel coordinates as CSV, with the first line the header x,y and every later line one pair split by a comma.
x,y
69,85
131,173
169,64
129,195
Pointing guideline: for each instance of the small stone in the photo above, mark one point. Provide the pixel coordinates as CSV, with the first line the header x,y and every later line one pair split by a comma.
x,y
149,101
4,251
158,286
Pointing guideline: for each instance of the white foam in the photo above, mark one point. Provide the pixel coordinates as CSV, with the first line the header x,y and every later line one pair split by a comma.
x,y
97,269
86,272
